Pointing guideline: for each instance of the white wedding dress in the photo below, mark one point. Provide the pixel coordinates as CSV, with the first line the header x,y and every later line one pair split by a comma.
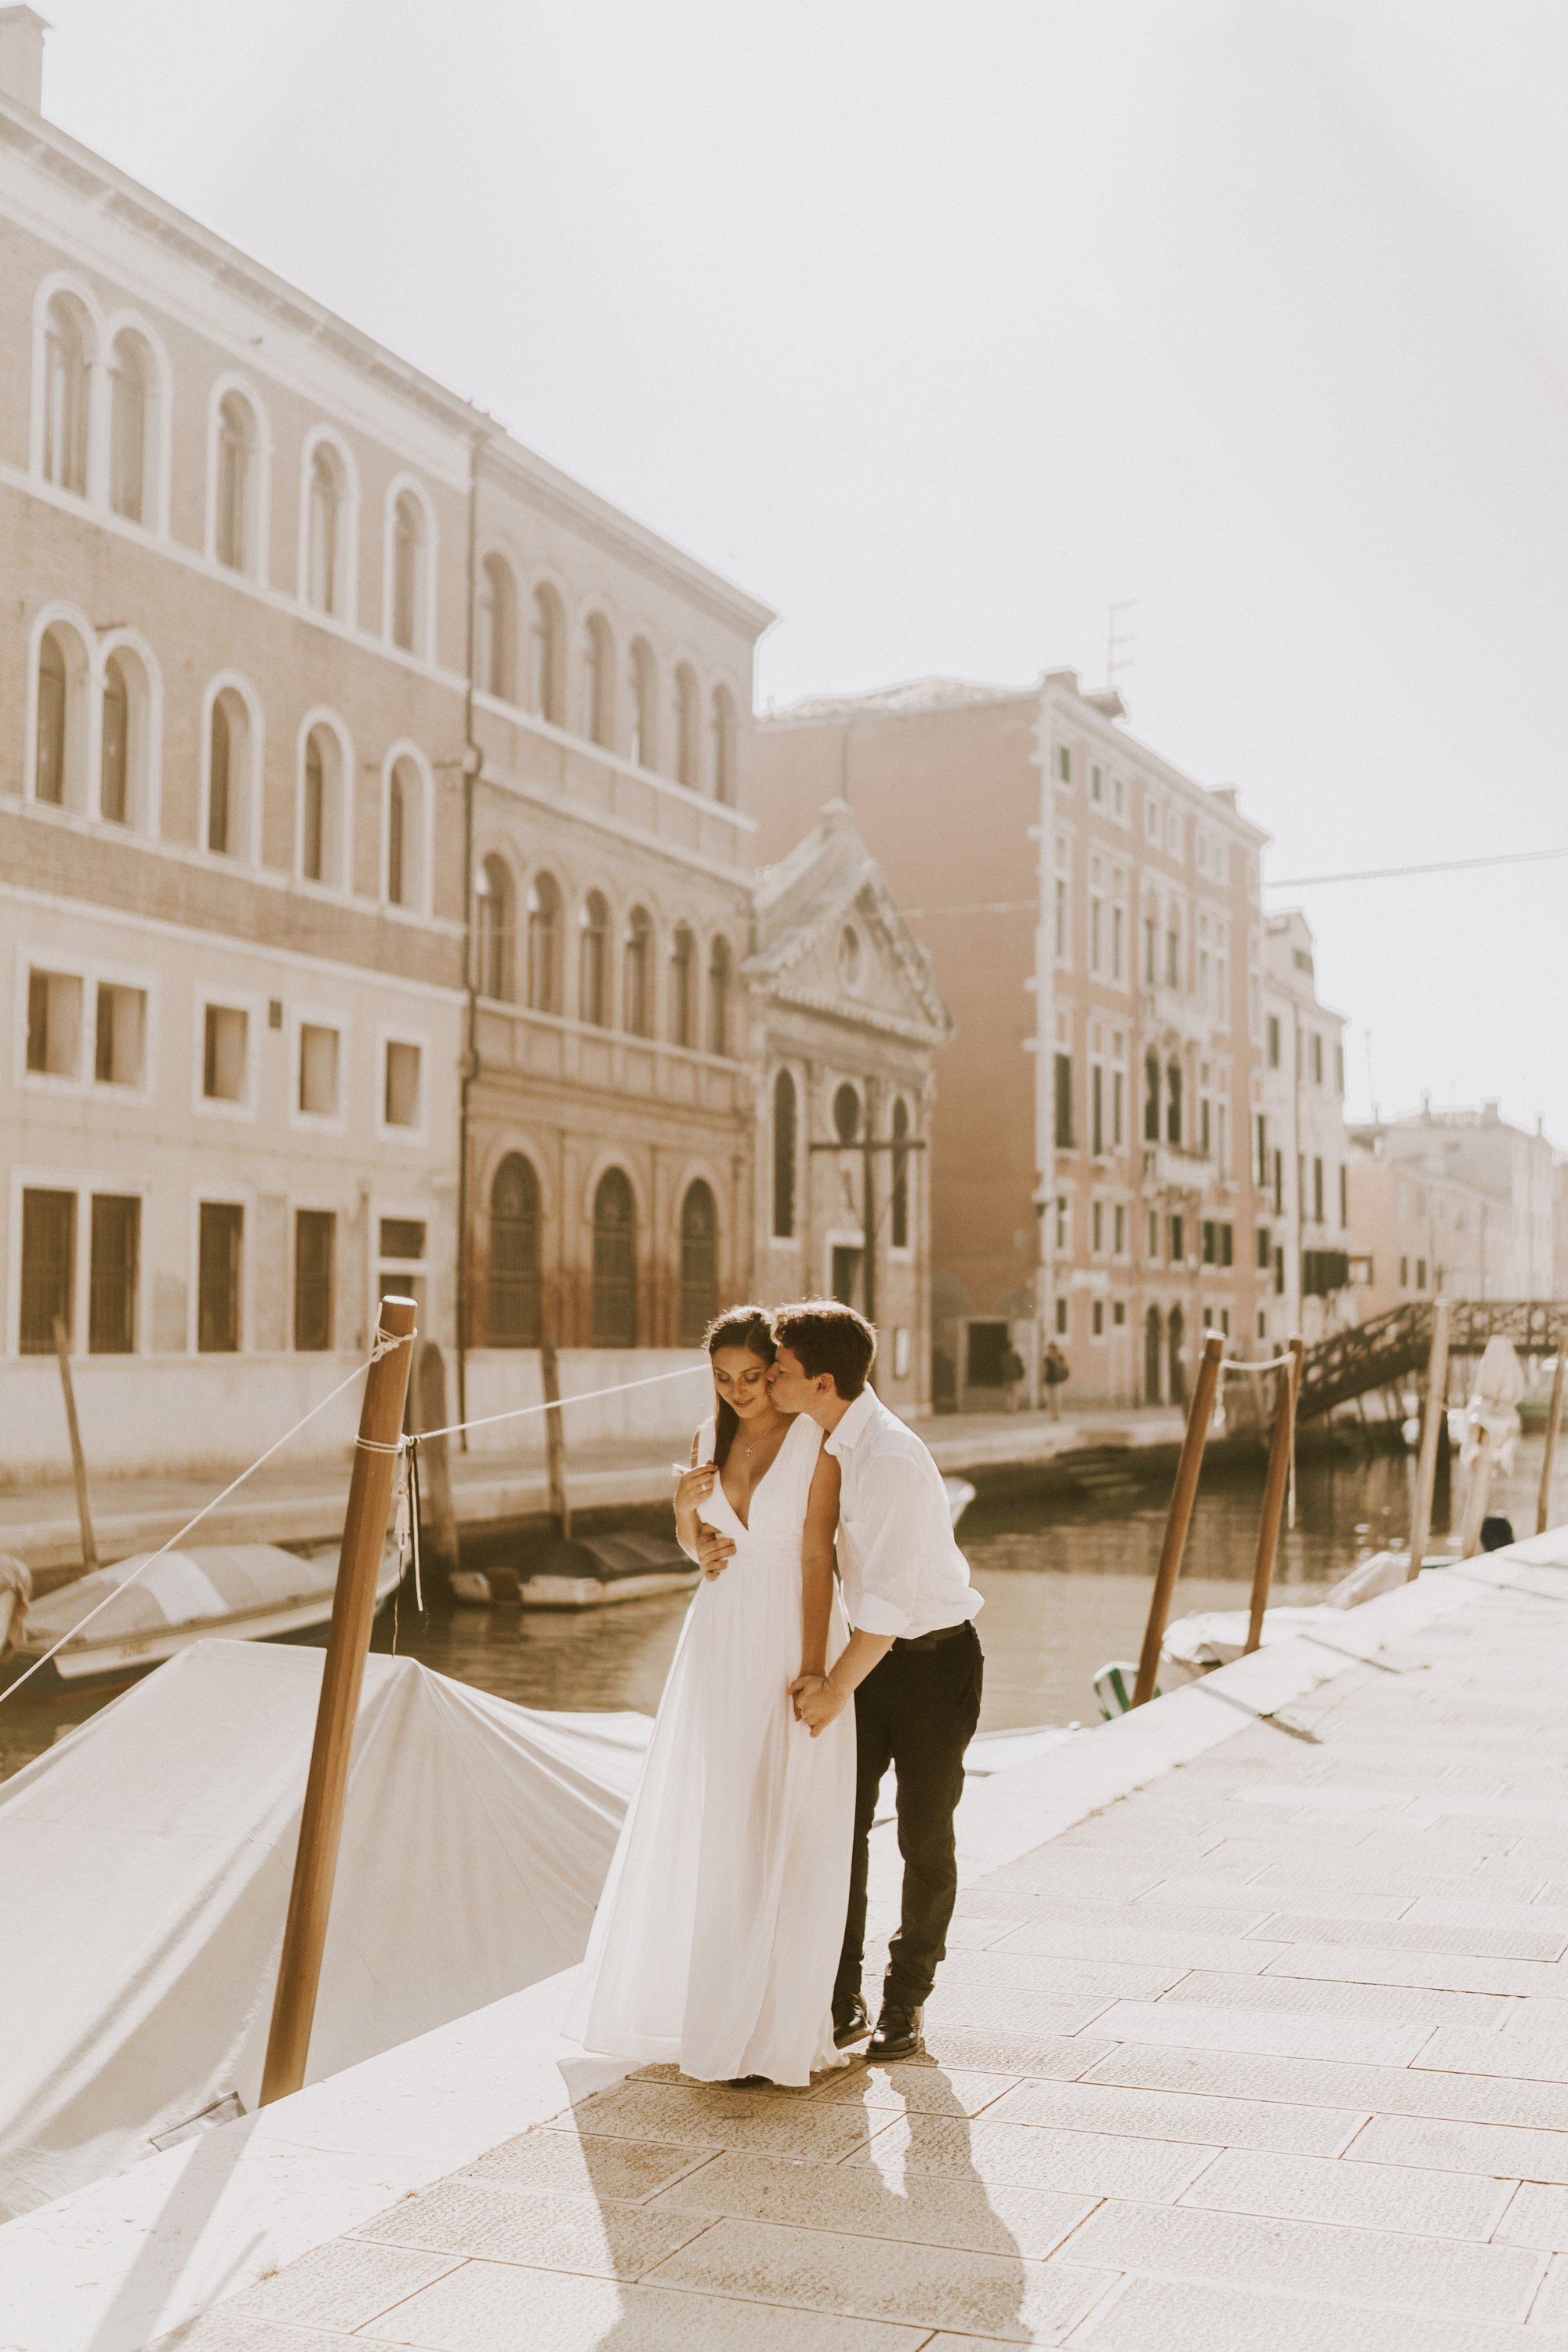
x,y
717,1933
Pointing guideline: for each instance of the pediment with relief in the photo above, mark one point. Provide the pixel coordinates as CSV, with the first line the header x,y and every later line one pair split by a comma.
x,y
831,939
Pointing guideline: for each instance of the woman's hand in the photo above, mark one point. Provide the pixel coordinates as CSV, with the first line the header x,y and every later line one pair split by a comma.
x,y
696,1486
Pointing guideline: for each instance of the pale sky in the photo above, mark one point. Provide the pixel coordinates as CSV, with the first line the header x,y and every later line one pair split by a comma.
x,y
941,326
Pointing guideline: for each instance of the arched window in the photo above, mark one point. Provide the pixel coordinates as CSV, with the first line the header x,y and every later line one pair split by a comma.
x,y
229,775
65,397
721,726
513,1320
614,1263
899,1236
543,944
322,809
130,421
718,997
593,962
410,569
642,751
406,835
493,930
698,1263
1176,1334
1152,1099
683,986
637,992
785,1144
114,777
545,657
1173,1103
846,1113
598,683
59,718
687,754
326,555
495,630
234,522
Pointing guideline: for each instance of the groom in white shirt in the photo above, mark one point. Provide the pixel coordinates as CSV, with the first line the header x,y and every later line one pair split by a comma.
x,y
912,1664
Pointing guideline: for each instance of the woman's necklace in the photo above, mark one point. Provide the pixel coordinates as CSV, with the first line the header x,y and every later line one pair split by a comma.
x,y
746,1442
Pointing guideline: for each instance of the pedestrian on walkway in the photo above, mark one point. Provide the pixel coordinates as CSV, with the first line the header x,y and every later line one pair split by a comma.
x,y
1055,1369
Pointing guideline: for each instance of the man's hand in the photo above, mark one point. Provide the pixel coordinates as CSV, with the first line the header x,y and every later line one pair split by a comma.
x,y
714,1551
817,1701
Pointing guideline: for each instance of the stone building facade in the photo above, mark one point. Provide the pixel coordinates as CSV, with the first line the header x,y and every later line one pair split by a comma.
x,y
1301,1144
1094,922
377,855
1461,1202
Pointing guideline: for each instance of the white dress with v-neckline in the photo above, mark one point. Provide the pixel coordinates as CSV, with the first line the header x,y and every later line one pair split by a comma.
x,y
717,1934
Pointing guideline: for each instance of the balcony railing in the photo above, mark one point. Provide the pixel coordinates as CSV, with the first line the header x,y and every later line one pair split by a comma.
x,y
513,1041
554,767
1171,1167
1169,1013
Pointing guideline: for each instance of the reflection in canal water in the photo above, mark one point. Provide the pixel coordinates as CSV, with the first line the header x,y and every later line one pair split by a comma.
x,y
1065,1582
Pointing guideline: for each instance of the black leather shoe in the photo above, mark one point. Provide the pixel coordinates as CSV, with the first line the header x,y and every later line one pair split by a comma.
x,y
897,2033
850,2023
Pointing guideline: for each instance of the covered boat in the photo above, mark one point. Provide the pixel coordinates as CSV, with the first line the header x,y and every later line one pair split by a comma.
x,y
146,1861
249,1591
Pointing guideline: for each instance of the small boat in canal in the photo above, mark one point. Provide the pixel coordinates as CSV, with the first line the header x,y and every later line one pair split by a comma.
x,y
246,1593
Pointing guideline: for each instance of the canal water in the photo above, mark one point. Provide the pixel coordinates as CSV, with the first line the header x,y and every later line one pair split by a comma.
x,y
1066,1579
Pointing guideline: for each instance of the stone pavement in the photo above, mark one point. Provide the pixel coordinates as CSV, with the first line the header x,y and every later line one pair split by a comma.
x,y
1272,2052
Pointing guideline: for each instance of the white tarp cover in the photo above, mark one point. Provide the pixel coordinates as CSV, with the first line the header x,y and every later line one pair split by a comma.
x,y
145,1864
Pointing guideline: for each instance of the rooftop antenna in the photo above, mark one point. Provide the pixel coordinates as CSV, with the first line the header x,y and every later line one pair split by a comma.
x,y
1118,640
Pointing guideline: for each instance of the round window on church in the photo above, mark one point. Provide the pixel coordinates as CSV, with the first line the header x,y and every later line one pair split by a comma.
x,y
851,959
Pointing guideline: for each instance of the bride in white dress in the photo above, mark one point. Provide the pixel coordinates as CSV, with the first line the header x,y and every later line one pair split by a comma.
x,y
717,1933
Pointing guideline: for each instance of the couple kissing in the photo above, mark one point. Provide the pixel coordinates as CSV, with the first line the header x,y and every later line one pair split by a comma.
x,y
831,1635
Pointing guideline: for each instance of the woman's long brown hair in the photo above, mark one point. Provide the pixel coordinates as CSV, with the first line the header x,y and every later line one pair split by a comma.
x,y
738,1327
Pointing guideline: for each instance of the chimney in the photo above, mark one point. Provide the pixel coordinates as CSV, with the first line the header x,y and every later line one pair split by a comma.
x,y
22,33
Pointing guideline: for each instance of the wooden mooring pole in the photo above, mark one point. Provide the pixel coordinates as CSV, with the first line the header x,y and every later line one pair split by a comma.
x,y
1182,1494
1432,1427
1553,1424
353,1611
1274,1488
438,1516
554,1440
79,1460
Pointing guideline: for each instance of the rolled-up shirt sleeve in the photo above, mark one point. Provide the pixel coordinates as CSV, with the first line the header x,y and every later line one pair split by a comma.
x,y
886,1534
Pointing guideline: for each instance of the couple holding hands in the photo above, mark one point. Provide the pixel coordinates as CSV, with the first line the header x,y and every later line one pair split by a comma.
x,y
729,1937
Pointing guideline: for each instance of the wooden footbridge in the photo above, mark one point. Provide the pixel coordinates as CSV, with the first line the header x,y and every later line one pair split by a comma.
x,y
1388,1349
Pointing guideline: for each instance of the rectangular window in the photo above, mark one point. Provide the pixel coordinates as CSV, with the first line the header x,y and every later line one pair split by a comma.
x,y
1178,1240
120,1036
48,1259
400,1092
1064,764
1279,1184
1064,1221
1211,1245
1118,1107
1097,1319
1151,819
1280,1272
1097,1223
1060,949
1261,1129
403,1239
1339,1069
1064,1133
1318,1192
1120,1222
220,1243
1274,1041
1119,1313
1226,1244
1097,1105
54,1023
1265,1250
1119,942
315,1232
1315,1058
1151,950
1062,1319
1405,1274
318,1070
1153,1236
1096,934
1344,1194
114,1265
1096,785
1420,1274
223,1044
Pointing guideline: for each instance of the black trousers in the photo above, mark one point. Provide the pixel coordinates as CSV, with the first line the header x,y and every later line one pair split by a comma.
x,y
916,1711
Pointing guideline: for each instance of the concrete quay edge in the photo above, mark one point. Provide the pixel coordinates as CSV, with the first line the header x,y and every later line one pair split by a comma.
x,y
125,2260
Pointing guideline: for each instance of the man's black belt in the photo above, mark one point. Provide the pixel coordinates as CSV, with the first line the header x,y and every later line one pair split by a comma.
x,y
929,1640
